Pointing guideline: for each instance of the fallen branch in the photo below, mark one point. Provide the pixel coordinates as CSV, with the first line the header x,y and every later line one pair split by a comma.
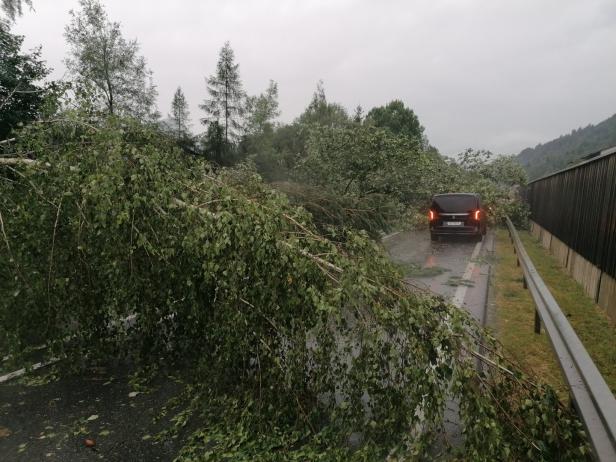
x,y
315,258
16,161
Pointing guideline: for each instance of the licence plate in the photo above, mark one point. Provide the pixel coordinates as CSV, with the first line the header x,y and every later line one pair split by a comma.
x,y
453,223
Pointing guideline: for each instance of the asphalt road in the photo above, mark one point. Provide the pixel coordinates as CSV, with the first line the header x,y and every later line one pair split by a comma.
x,y
42,421
456,268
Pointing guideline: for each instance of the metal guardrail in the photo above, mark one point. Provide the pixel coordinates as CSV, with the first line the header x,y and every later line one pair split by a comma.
x,y
591,396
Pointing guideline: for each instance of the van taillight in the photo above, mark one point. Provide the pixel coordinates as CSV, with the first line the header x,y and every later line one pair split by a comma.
x,y
477,213
431,215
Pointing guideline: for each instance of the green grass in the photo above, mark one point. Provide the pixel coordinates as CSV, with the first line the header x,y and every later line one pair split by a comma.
x,y
515,313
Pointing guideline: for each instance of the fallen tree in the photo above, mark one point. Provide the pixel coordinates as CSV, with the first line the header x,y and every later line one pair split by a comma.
x,y
299,347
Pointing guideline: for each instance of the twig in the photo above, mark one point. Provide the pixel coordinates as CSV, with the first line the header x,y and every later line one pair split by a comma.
x,y
487,389
498,366
53,243
315,258
260,313
74,121
8,248
130,254
9,96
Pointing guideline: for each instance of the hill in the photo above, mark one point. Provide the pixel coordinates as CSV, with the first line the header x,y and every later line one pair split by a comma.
x,y
568,149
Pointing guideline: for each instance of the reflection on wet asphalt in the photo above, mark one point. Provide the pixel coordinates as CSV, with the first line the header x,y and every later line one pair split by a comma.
x,y
449,256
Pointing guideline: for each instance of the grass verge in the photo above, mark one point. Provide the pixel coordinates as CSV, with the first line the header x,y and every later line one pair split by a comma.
x,y
515,314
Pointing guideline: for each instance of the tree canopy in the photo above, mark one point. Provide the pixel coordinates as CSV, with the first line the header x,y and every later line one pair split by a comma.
x,y
14,8
107,69
322,112
22,94
262,110
397,118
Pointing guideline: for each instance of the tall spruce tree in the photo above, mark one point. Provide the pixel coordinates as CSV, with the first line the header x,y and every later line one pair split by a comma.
x,y
179,114
226,97
107,67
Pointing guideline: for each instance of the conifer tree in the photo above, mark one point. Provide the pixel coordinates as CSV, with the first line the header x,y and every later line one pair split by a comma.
x,y
179,114
226,97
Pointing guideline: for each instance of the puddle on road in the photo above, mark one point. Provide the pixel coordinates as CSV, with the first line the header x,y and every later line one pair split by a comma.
x,y
434,266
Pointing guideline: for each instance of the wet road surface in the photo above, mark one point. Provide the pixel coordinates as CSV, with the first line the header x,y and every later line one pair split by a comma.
x,y
456,268
50,421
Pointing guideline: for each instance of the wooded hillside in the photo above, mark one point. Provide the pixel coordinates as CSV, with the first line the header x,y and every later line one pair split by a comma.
x,y
568,149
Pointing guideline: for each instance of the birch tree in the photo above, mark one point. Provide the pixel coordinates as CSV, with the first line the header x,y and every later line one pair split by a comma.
x,y
262,110
106,65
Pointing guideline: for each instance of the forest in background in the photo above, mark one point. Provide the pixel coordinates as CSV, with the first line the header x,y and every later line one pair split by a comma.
x,y
247,257
371,170
567,150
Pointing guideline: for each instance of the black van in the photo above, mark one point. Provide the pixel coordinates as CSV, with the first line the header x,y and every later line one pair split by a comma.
x,y
457,214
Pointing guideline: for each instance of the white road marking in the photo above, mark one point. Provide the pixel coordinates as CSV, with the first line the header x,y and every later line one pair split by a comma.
x,y
20,372
458,298
128,321
389,236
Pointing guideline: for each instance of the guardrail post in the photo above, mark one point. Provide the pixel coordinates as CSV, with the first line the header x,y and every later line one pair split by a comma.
x,y
537,323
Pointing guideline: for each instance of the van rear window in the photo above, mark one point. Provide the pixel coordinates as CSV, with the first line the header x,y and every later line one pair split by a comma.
x,y
455,203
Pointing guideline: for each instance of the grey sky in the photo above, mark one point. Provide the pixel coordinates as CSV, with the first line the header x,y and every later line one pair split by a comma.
x,y
500,75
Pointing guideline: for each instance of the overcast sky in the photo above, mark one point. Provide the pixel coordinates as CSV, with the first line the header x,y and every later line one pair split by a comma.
x,y
499,75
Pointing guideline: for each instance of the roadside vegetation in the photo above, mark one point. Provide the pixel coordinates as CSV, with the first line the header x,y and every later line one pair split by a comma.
x,y
245,258
515,317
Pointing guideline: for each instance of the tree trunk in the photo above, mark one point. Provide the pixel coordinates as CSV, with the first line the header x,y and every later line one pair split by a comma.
x,y
226,113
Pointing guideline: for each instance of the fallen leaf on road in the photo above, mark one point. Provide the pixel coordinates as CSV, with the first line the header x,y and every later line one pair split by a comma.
x,y
132,394
4,432
90,443
93,417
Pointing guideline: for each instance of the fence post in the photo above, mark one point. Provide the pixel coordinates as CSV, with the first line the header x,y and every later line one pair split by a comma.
x,y
537,323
